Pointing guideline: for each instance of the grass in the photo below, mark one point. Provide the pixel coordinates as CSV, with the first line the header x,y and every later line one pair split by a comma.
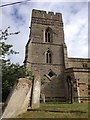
x,y
66,107
63,111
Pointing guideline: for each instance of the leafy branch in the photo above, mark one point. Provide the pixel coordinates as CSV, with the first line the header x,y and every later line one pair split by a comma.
x,y
6,49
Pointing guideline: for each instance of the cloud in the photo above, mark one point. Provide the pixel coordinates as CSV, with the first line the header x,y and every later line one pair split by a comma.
x,y
77,33
75,18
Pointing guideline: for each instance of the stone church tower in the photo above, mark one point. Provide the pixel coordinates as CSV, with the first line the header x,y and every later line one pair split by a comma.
x,y
46,48
62,78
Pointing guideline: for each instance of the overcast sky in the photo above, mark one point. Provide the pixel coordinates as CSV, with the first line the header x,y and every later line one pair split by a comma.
x,y
75,19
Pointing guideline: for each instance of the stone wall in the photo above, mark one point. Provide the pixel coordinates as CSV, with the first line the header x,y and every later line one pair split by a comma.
x,y
80,68
79,62
54,90
80,78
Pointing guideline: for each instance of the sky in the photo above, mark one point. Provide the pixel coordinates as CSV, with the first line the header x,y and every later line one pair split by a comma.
x,y
75,19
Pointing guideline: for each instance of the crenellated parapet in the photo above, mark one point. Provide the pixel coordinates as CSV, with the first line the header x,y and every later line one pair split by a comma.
x,y
42,17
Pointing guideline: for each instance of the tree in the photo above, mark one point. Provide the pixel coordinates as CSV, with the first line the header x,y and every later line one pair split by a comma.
x,y
6,49
10,72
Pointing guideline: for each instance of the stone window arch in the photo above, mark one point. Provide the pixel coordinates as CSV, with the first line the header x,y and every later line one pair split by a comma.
x,y
48,57
48,35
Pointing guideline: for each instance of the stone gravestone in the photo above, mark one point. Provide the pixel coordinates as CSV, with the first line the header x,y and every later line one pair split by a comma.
x,y
19,99
35,98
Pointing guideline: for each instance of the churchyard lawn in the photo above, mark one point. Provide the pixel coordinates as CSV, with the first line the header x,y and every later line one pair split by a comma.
x,y
58,110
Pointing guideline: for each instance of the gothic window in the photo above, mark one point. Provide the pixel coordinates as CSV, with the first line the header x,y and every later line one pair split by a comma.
x,y
48,35
48,57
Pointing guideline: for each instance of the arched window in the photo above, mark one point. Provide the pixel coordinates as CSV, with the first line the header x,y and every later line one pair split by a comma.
x,y
48,57
48,35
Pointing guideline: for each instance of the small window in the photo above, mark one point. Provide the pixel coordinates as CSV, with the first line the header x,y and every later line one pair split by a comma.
x,y
48,35
48,57
88,93
51,73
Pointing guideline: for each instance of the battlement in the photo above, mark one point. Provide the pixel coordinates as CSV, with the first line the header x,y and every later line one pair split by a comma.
x,y
44,14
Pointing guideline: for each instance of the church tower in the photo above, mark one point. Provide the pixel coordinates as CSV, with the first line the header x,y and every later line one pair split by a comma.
x,y
46,52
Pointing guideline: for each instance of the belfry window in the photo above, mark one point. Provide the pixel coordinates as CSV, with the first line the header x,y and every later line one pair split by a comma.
x,y
48,57
48,35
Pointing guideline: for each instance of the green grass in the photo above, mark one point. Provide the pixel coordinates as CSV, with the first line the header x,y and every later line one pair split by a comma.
x,y
66,108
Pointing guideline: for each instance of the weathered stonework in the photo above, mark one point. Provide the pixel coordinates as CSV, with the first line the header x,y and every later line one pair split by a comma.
x,y
25,94
79,70
35,100
19,99
64,78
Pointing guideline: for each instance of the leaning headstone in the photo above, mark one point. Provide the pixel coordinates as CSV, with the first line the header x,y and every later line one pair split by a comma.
x,y
43,97
19,99
35,100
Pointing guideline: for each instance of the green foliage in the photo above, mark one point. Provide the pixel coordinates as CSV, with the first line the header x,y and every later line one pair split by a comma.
x,y
6,49
29,75
10,73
